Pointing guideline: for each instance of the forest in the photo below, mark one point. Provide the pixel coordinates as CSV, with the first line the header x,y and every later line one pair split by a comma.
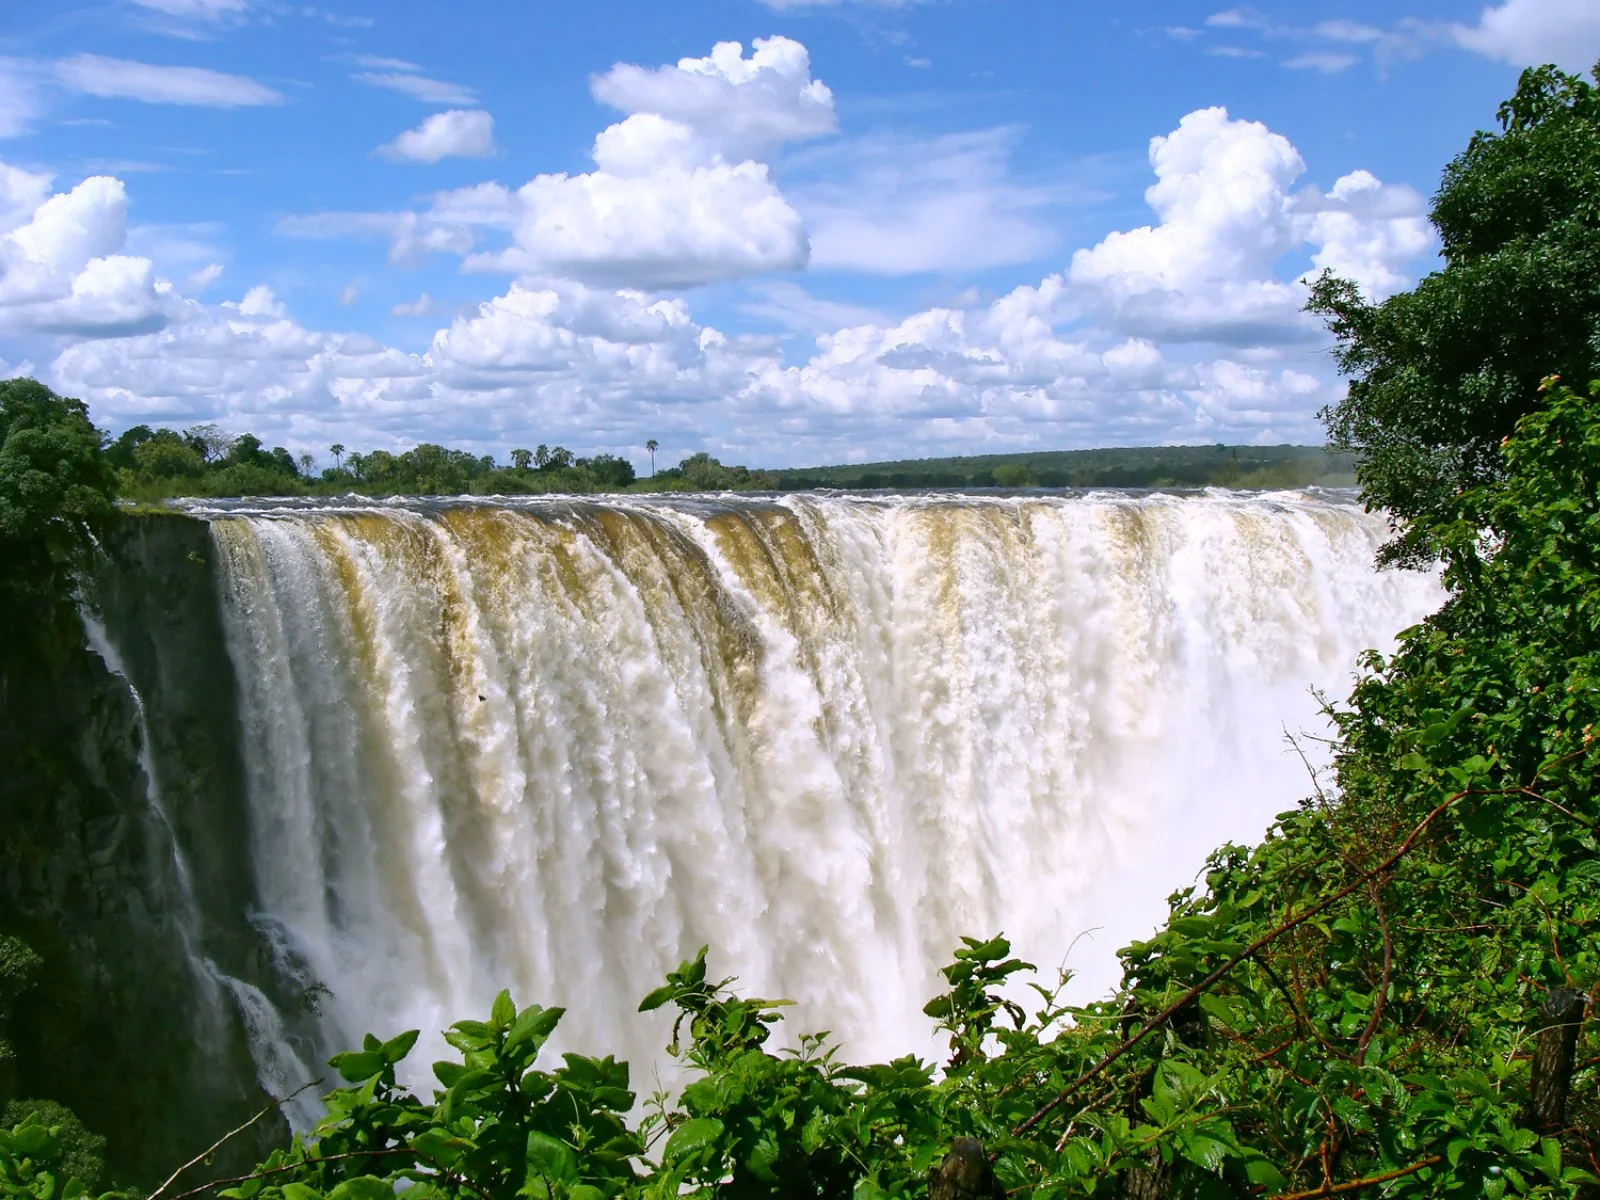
x,y
1122,467
203,460
158,464
1391,994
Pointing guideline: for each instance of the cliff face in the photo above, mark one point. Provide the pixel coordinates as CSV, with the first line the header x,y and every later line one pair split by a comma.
x,y
137,900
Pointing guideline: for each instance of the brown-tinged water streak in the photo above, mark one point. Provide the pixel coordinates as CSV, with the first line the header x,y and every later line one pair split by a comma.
x,y
557,745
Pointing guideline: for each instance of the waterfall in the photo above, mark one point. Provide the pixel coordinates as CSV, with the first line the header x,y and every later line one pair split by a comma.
x,y
279,1070
556,746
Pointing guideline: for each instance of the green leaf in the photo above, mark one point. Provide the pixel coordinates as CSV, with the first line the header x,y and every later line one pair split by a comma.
x,y
691,1137
34,1141
357,1066
533,1024
397,1047
550,1158
363,1187
504,1011
1264,1174
658,997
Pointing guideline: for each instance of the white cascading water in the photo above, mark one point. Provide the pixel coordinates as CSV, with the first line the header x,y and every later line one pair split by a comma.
x,y
556,746
279,1070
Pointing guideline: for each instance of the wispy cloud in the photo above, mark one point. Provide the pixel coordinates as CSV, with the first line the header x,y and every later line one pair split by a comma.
x,y
377,62
1328,62
19,97
419,87
1353,32
205,10
120,78
422,306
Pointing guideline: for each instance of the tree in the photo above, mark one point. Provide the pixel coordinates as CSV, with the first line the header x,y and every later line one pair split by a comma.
x,y
652,445
521,460
55,484
213,442
337,450
1441,374
120,452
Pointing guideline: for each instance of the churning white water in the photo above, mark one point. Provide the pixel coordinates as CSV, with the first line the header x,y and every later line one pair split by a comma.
x,y
557,745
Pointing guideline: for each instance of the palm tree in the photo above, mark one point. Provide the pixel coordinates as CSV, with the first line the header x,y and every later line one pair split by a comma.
x,y
652,445
338,455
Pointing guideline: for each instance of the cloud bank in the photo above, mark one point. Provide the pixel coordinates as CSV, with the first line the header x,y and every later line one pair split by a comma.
x,y
1187,328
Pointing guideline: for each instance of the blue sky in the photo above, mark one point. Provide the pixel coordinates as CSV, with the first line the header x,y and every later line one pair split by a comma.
x,y
786,231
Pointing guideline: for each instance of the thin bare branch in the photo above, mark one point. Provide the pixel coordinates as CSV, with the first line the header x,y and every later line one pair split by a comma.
x,y
229,1136
1211,980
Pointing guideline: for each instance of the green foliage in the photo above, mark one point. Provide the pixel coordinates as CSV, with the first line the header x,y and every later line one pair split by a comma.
x,y
1440,374
80,1154
19,968
703,473
54,486
1012,475
46,1154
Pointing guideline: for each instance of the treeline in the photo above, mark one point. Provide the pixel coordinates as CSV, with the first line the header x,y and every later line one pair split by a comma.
x,y
1122,467
158,464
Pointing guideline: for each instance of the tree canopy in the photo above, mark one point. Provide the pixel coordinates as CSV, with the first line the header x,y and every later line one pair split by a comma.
x,y
1441,374
54,485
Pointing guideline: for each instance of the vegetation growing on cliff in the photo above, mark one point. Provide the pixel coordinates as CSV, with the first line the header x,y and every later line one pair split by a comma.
x,y
55,489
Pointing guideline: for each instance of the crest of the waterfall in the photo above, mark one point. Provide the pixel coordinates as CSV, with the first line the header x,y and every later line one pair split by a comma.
x,y
556,746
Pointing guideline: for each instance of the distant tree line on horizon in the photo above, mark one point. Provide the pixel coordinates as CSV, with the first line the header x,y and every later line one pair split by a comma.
x,y
153,464
1129,466
203,460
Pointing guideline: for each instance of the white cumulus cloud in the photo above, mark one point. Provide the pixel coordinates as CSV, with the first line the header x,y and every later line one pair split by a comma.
x,y
1209,270
1187,329
61,271
21,193
458,133
680,195
1533,32
1367,231
739,107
